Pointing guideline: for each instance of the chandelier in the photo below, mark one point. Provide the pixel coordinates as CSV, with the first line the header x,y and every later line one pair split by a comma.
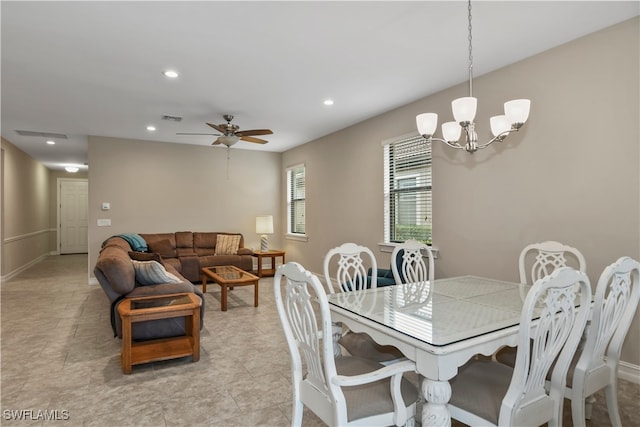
x,y
515,115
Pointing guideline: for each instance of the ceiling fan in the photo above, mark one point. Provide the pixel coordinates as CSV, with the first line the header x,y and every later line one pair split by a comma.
x,y
231,133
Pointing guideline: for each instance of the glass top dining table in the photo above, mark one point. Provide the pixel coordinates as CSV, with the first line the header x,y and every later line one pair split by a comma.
x,y
439,325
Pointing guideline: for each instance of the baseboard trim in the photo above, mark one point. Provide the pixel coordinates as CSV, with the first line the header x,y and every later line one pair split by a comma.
x,y
23,268
93,281
629,372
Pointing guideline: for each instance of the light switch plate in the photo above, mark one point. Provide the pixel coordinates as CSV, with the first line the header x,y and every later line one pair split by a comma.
x,y
104,223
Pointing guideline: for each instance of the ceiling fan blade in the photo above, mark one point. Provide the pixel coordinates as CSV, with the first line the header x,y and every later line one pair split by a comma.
x,y
252,139
190,133
219,128
254,132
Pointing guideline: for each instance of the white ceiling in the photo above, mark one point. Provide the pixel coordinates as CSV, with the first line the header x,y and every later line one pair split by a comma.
x,y
95,68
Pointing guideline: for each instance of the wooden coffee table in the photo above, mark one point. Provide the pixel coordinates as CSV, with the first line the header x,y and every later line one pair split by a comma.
x,y
228,276
141,309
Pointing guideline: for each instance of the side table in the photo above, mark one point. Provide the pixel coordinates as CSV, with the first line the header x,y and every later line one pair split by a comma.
x,y
272,254
140,309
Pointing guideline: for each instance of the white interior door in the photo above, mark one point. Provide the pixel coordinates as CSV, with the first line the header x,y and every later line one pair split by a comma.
x,y
74,205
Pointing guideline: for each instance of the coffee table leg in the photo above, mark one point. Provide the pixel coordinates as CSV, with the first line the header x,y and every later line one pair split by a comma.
x,y
255,294
223,298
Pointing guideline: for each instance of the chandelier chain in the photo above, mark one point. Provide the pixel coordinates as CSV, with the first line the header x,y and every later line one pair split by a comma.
x,y
470,52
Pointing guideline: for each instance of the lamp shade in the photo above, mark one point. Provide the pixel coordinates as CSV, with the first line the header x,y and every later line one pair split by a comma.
x,y
464,109
499,124
264,224
517,111
427,123
451,131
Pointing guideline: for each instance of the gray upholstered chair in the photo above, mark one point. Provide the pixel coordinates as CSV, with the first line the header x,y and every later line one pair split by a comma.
x,y
345,390
491,393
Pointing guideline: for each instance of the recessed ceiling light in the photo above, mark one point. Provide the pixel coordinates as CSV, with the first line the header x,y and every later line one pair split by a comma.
x,y
72,169
51,142
171,74
151,128
328,102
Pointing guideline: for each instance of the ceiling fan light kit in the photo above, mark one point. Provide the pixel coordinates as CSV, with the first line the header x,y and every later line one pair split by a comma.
x,y
516,113
231,133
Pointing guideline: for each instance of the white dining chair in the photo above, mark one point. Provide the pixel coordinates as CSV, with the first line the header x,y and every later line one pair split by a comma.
x,y
408,266
350,269
538,260
491,393
341,391
616,300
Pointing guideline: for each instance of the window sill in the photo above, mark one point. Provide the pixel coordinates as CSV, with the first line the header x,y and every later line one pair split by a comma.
x,y
296,237
388,247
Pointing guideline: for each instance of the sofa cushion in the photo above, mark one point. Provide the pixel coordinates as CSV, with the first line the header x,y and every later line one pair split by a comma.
x,y
146,256
227,244
152,273
163,247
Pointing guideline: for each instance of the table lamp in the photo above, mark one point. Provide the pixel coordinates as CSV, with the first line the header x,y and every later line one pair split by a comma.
x,y
264,226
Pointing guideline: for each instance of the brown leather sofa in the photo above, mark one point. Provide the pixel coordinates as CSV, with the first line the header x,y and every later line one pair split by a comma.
x,y
188,252
183,254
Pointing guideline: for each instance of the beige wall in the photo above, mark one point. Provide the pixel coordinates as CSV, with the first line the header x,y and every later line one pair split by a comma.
x,y
570,175
29,209
156,187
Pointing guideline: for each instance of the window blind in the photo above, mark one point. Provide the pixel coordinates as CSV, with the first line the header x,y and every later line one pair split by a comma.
x,y
407,190
296,200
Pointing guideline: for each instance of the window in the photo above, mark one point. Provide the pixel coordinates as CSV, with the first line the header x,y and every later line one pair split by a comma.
x,y
407,189
296,200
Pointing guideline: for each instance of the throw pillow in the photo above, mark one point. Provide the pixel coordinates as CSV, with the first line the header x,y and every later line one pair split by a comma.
x,y
163,247
146,256
152,273
227,244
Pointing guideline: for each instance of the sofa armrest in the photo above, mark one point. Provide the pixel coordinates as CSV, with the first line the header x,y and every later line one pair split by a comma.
x,y
245,251
190,266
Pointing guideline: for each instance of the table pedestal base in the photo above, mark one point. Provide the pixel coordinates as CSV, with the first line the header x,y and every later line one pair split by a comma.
x,y
434,410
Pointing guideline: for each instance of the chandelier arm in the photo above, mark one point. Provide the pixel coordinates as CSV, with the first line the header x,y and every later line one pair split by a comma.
x,y
500,137
450,144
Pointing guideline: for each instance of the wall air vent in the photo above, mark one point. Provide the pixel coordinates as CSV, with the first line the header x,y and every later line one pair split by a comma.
x,y
172,118
41,134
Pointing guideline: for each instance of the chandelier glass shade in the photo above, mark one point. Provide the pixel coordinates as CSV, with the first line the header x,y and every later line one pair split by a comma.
x,y
516,113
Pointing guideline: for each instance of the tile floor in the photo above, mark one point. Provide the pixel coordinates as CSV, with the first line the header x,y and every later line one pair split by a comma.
x,y
58,353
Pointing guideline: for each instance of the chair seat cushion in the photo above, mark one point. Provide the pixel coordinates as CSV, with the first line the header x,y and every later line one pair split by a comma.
x,y
362,345
480,387
370,399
